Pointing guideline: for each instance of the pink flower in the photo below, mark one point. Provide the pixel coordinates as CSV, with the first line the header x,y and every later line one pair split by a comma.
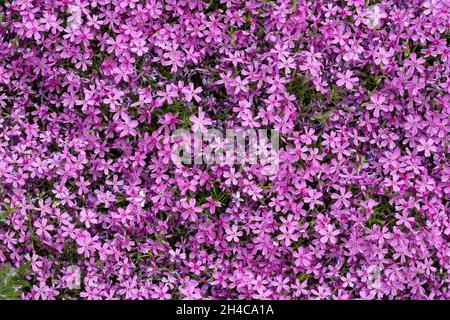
x,y
190,210
426,145
328,234
313,198
200,122
127,127
231,177
233,233
346,79
189,92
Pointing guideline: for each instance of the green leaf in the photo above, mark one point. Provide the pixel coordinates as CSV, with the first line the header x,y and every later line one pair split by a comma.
x,y
12,281
5,214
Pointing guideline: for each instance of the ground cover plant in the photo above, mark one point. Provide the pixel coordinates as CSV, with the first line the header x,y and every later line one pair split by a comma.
x,y
93,207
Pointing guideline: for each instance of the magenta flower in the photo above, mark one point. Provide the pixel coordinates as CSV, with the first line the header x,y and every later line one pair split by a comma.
x,y
190,210
346,80
346,194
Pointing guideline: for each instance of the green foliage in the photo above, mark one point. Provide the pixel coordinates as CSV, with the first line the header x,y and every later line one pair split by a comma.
x,y
219,195
12,281
222,196
215,5
302,276
303,90
6,213
381,213
372,80
322,117
312,104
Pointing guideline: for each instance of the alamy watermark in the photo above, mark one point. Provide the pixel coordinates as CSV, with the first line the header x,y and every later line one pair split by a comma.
x,y
259,147
375,16
73,277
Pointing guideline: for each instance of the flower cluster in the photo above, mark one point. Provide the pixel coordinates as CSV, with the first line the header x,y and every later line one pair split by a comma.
x,y
359,91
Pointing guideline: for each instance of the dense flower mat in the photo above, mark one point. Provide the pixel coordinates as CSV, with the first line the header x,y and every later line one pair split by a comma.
x,y
91,90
